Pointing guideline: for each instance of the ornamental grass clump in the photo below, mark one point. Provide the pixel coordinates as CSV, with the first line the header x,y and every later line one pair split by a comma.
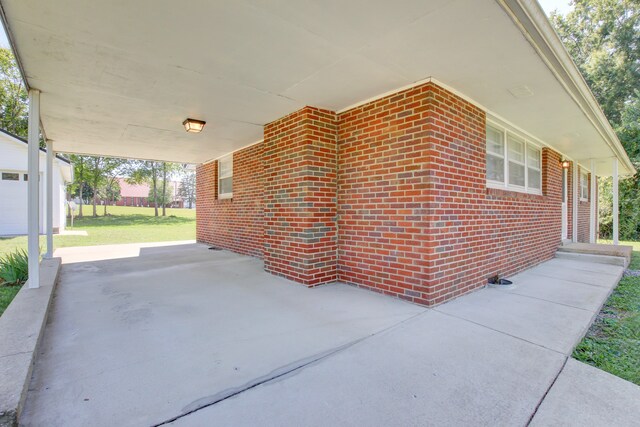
x,y
14,268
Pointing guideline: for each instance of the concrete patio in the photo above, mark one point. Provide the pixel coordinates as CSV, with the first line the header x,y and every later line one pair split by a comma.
x,y
184,335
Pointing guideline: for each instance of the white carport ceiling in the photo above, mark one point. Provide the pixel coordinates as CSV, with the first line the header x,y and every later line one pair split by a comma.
x,y
119,77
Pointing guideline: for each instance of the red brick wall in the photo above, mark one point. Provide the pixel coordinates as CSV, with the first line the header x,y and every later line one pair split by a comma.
x,y
383,194
584,214
235,224
300,196
416,218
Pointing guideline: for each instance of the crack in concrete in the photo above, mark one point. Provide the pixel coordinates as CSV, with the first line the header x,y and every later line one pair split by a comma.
x,y
277,374
15,354
544,396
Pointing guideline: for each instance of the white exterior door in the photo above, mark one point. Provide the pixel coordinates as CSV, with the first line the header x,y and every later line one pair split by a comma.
x,y
13,215
565,210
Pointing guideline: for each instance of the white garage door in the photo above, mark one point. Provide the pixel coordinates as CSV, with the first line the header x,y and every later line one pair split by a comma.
x,y
13,202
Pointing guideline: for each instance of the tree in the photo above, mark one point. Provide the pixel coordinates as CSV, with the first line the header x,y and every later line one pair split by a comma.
x,y
146,171
14,110
187,189
603,38
80,176
110,189
163,196
167,169
95,174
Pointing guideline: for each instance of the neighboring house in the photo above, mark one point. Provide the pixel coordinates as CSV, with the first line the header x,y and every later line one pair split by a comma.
x,y
138,194
410,147
133,194
13,186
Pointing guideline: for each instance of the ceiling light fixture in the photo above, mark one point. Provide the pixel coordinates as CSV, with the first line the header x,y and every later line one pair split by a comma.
x,y
193,125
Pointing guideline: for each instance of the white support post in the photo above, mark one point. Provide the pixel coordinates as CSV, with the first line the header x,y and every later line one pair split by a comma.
x,y
592,204
616,238
49,200
33,205
576,188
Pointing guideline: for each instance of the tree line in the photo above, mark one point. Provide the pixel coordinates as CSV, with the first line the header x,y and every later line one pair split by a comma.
x,y
96,181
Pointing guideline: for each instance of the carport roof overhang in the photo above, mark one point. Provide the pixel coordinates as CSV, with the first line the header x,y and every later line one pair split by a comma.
x,y
118,78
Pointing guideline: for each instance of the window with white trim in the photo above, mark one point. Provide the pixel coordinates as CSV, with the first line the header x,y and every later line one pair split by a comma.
x,y
584,186
225,177
513,162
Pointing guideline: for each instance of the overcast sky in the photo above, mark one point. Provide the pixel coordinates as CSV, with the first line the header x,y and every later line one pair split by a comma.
x,y
548,5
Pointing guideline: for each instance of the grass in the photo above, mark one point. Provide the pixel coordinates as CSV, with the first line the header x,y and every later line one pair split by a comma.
x,y
123,225
613,341
7,293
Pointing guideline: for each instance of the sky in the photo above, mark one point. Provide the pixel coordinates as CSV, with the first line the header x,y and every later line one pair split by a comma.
x,y
561,5
548,5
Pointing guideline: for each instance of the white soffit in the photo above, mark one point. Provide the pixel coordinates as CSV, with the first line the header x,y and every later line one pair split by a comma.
x,y
119,77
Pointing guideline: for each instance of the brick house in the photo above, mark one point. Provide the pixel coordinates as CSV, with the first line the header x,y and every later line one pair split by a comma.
x,y
394,195
138,195
412,148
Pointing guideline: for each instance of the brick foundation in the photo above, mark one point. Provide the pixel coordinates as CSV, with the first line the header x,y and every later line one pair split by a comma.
x,y
390,195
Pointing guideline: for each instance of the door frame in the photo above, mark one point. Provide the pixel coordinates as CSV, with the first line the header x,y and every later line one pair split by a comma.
x,y
564,233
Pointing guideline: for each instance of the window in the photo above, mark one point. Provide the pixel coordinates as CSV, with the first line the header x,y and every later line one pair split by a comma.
x,y
584,186
25,177
495,155
10,176
515,155
225,177
534,167
513,162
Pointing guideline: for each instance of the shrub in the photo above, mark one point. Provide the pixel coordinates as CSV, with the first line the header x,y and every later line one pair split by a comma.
x,y
14,268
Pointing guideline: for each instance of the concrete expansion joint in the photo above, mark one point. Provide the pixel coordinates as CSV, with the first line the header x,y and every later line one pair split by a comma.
x,y
497,330
275,375
544,396
552,302
550,276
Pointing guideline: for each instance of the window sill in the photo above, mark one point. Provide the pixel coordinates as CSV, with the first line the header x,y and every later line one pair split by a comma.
x,y
512,189
584,200
227,196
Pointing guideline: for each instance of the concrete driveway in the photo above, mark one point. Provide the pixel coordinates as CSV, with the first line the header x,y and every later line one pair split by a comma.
x,y
184,335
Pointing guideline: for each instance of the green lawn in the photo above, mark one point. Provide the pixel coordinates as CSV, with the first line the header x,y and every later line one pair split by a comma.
x,y
7,293
122,225
613,341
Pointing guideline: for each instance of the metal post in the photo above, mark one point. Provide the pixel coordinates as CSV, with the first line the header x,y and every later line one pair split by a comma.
x,y
592,204
574,222
615,203
33,214
49,200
